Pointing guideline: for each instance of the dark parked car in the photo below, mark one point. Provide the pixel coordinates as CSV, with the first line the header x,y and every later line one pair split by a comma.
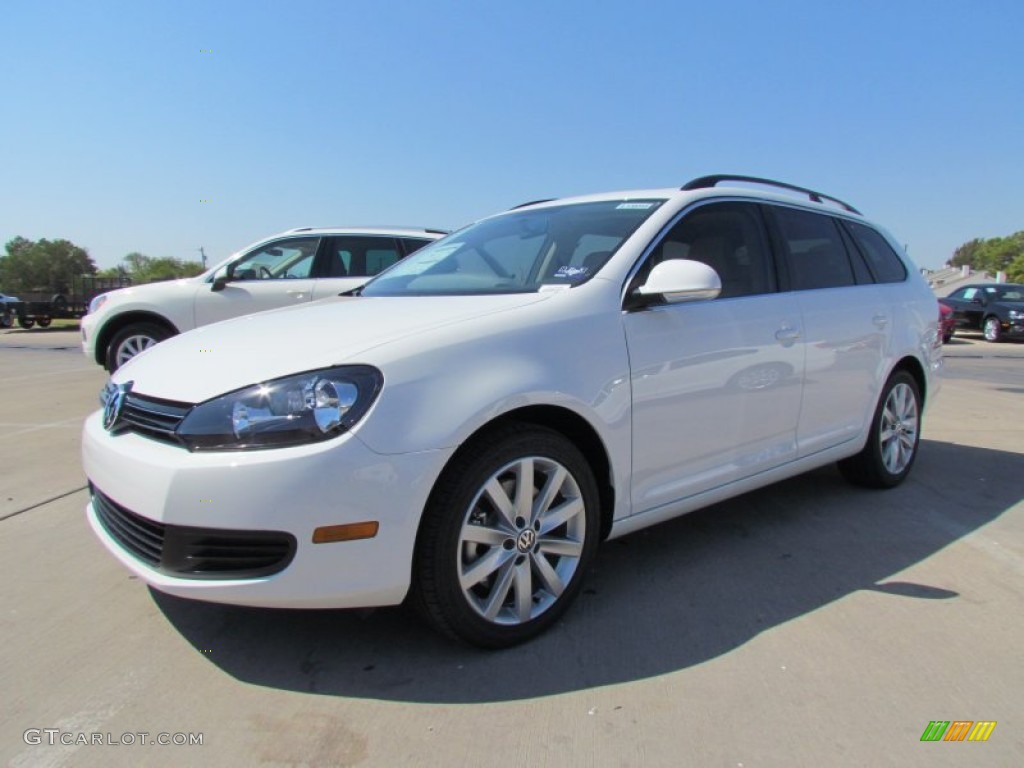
x,y
996,310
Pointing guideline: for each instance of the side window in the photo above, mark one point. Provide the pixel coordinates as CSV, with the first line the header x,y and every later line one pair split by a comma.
x,y
281,259
971,293
412,244
728,237
817,256
360,256
885,264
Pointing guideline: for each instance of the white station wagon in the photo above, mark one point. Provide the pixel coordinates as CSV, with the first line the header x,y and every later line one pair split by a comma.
x,y
294,267
468,429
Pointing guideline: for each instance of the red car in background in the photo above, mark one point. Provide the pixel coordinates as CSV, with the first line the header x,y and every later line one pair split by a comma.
x,y
946,322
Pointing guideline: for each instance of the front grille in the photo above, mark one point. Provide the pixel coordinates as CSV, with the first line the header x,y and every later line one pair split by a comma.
x,y
194,552
152,417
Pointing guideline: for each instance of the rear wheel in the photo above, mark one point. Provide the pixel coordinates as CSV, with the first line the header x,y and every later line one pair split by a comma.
x,y
993,329
131,340
887,458
44,322
506,537
26,322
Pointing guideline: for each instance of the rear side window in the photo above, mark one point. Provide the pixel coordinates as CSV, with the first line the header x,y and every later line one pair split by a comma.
x,y
412,244
816,254
360,256
882,259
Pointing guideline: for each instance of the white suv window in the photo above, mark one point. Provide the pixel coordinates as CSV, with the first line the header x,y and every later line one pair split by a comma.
x,y
281,259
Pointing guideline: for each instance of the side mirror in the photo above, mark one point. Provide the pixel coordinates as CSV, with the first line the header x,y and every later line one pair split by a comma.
x,y
679,280
220,280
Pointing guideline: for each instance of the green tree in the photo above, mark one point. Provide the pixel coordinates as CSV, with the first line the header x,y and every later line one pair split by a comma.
x,y
992,255
43,265
146,269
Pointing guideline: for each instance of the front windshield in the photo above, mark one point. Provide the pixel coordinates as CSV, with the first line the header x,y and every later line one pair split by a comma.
x,y
518,252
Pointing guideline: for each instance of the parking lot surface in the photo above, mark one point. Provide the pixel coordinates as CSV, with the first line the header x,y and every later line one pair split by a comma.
x,y
807,624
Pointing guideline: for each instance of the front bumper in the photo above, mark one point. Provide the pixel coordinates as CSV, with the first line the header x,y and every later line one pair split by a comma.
x,y
288,490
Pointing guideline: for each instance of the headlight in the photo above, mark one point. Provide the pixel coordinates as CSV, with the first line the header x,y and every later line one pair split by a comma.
x,y
1016,314
96,303
295,410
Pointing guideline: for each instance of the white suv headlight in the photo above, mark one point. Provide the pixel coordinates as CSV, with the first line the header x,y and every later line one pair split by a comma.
x,y
96,303
294,410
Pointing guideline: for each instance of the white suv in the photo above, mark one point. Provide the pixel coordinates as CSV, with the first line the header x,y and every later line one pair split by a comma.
x,y
294,267
472,425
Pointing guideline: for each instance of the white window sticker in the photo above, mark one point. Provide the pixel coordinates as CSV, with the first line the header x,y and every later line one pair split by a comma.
x,y
573,273
633,206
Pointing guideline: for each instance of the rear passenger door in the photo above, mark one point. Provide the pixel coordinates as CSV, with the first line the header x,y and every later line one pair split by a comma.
x,y
348,261
715,384
847,325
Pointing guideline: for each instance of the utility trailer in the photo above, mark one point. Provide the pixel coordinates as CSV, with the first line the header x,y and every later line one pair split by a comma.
x,y
67,302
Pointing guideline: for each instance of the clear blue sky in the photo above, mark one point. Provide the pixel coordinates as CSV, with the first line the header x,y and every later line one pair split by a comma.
x,y
116,123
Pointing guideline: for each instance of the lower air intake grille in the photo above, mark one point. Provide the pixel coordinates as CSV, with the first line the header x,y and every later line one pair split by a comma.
x,y
192,552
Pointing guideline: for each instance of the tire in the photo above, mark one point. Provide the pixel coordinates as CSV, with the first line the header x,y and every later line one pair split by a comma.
x,y
59,303
891,450
44,322
992,329
133,339
6,321
495,579
26,322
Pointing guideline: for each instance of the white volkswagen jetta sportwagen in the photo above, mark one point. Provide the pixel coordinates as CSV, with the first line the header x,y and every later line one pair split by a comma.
x,y
470,427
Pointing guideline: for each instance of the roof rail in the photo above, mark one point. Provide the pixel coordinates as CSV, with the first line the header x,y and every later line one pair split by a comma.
x,y
816,197
533,202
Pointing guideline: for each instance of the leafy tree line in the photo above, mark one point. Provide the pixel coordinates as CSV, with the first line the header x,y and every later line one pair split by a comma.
x,y
146,269
45,265
995,254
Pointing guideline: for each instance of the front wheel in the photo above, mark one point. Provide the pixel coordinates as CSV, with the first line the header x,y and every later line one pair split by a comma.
x,y
26,322
131,340
993,329
506,537
892,443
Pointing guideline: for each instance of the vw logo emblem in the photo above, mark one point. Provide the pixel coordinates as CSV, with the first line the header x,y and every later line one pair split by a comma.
x,y
115,404
526,540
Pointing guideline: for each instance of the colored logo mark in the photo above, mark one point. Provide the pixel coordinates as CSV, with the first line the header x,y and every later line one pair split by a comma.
x,y
958,730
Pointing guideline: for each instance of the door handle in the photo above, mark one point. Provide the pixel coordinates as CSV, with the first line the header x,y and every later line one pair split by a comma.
x,y
296,294
787,336
880,320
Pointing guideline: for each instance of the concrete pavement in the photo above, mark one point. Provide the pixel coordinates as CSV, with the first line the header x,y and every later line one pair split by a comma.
x,y
806,624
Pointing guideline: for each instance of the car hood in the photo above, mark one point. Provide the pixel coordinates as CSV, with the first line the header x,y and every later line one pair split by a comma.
x,y
147,291
226,356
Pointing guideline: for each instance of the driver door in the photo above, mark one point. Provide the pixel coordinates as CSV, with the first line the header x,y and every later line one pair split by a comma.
x,y
277,274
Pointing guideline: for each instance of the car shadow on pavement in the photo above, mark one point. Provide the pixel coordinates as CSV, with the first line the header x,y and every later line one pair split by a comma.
x,y
658,601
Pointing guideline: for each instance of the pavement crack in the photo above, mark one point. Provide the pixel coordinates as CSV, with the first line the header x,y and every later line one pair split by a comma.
x,y
43,503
